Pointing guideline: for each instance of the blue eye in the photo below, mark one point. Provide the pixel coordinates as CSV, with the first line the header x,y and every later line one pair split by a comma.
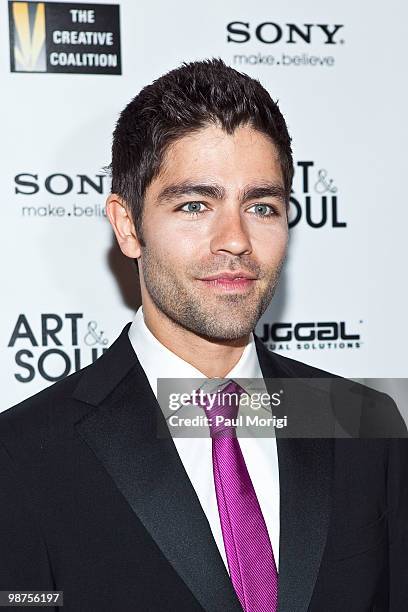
x,y
260,207
195,206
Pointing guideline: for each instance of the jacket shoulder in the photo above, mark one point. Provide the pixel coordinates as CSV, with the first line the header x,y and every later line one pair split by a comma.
x,y
292,367
51,408
379,414
53,411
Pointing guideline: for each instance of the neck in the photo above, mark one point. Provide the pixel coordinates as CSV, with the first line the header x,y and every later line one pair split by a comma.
x,y
214,358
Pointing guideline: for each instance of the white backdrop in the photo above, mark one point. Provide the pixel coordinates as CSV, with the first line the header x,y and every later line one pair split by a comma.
x,y
337,72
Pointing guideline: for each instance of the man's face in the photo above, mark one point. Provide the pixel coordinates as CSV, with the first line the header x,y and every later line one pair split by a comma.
x,y
217,206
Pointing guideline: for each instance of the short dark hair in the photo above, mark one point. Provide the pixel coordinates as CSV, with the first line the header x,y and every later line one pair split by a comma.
x,y
182,101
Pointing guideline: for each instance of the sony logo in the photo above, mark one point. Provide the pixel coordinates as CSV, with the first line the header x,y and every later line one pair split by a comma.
x,y
269,32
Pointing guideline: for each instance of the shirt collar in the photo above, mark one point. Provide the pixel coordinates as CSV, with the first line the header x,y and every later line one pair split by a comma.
x,y
159,361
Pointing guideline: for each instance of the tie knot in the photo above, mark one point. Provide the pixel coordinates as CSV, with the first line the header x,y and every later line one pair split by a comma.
x,y
221,408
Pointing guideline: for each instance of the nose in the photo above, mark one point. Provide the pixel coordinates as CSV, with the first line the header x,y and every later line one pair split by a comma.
x,y
230,234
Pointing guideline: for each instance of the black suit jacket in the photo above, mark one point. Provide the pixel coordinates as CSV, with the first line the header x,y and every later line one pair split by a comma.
x,y
95,504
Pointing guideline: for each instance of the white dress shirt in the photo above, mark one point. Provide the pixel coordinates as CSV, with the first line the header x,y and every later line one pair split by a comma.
x,y
260,453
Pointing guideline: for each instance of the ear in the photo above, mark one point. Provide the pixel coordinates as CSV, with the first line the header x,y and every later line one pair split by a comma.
x,y
122,224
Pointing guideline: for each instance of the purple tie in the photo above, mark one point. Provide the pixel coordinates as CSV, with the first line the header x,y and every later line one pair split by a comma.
x,y
249,552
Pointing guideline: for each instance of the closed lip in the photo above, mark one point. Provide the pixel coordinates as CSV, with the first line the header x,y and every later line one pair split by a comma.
x,y
229,276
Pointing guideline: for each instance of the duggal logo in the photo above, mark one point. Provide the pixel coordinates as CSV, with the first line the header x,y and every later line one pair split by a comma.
x,y
310,335
60,37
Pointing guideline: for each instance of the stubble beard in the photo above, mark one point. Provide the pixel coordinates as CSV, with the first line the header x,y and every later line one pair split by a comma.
x,y
225,316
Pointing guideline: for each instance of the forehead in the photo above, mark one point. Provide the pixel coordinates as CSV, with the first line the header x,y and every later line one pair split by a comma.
x,y
231,159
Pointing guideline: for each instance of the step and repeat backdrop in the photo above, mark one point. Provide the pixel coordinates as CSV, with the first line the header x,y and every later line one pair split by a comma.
x,y
68,68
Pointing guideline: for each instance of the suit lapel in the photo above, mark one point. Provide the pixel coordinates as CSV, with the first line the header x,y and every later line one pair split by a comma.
x,y
305,476
122,432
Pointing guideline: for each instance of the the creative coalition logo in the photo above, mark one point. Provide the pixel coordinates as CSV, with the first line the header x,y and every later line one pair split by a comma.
x,y
61,37
310,335
245,36
54,346
315,198
61,195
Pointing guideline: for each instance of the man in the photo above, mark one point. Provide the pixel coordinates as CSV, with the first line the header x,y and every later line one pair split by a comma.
x,y
98,505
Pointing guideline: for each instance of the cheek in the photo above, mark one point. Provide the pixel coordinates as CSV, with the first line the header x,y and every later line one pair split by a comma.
x,y
271,246
170,231
170,245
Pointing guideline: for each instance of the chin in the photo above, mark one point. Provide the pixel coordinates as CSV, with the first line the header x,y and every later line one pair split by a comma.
x,y
218,331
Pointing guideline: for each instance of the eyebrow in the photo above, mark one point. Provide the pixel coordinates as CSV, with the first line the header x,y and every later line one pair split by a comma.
x,y
217,192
